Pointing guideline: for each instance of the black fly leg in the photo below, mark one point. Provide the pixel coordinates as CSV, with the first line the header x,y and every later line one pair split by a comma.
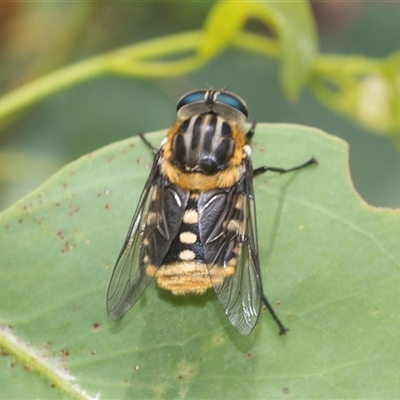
x,y
148,144
259,171
282,328
251,131
264,168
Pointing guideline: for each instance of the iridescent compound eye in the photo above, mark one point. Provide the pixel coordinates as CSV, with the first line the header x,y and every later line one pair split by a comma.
x,y
232,100
194,97
226,104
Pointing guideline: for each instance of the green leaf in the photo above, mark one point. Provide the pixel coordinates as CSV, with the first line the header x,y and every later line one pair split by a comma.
x,y
363,89
291,23
330,260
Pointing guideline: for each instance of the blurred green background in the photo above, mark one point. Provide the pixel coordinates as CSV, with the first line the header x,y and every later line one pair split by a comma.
x,y
40,37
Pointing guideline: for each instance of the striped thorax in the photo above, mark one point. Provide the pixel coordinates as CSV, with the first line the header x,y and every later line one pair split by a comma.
x,y
205,147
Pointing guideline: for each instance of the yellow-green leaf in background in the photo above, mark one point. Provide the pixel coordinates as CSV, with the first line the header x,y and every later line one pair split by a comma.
x,y
330,263
292,26
365,90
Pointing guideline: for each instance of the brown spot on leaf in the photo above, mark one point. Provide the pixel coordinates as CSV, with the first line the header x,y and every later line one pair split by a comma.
x,y
64,353
74,211
4,352
96,325
67,246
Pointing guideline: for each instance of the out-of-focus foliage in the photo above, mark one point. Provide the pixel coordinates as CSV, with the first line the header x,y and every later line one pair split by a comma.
x,y
368,91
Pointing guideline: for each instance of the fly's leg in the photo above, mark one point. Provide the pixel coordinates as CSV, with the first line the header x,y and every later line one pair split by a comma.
x,y
264,168
259,171
147,143
282,328
250,133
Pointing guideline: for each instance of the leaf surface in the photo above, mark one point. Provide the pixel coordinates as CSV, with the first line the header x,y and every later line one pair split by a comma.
x,y
330,261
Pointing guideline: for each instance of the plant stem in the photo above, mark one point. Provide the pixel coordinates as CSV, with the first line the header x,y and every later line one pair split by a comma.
x,y
133,60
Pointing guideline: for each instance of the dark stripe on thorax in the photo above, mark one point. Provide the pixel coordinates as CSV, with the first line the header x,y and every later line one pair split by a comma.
x,y
209,134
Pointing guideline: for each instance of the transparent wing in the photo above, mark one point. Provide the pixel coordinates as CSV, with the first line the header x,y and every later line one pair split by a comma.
x,y
230,248
154,225
128,280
